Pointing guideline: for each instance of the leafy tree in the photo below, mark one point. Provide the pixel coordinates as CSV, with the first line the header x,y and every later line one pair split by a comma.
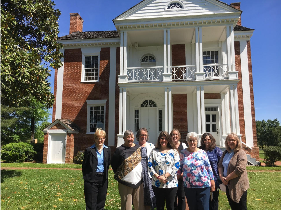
x,y
29,46
20,123
268,133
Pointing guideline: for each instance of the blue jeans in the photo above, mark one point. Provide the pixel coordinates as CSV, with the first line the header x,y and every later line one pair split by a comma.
x,y
197,198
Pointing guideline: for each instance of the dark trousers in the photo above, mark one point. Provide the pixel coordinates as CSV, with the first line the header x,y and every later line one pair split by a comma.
x,y
179,203
95,193
214,200
242,205
197,198
163,195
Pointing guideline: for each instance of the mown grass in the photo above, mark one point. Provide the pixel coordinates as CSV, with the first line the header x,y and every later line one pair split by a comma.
x,y
63,189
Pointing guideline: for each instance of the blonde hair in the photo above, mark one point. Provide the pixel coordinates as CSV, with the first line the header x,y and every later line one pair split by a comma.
x,y
99,132
239,144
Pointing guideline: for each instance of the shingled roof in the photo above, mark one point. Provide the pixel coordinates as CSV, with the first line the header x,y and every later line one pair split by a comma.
x,y
115,34
91,35
242,28
68,124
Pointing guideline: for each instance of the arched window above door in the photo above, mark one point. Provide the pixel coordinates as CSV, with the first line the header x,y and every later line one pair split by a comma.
x,y
148,103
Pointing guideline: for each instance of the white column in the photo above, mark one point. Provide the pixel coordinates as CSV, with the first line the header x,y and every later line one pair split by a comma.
x,y
59,89
232,109
125,52
124,109
203,121
236,110
198,110
121,53
170,110
232,49
165,51
166,109
200,50
169,51
223,121
228,48
194,106
246,93
120,110
227,115
111,105
197,50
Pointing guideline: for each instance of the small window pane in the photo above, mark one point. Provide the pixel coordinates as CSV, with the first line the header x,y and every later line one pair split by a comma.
x,y
208,128
207,118
214,128
214,118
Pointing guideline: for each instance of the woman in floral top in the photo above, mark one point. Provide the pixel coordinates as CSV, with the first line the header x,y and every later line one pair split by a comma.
x,y
163,166
197,174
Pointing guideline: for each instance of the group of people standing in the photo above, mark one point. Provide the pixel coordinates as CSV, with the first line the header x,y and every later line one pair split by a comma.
x,y
151,176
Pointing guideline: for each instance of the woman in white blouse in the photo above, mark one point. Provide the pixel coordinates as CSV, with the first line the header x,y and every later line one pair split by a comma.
x,y
163,166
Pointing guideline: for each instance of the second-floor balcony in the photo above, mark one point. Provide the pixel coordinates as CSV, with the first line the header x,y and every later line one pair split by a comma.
x,y
178,73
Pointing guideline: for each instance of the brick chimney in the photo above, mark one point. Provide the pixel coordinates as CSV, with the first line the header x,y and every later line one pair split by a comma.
x,y
76,23
237,6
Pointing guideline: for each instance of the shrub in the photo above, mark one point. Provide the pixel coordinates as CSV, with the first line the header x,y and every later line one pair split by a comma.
x,y
79,157
38,157
17,152
271,155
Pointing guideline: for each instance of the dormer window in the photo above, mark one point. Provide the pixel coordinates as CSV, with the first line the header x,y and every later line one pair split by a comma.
x,y
175,5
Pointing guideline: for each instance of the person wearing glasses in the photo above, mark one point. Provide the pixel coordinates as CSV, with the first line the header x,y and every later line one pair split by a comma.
x,y
149,197
233,173
197,174
95,172
163,166
208,143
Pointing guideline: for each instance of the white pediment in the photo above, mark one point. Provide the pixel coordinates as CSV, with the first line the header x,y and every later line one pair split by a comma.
x,y
158,9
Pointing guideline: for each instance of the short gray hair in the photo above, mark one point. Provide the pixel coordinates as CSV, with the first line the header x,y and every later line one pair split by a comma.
x,y
191,134
128,133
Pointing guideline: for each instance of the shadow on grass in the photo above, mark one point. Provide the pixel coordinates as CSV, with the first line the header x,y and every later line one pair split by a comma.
x,y
5,174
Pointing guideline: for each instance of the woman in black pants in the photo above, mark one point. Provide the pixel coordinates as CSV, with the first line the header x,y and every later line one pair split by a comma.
x,y
95,172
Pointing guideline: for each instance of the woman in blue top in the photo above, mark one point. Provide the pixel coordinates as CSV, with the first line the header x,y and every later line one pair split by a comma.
x,y
208,143
95,172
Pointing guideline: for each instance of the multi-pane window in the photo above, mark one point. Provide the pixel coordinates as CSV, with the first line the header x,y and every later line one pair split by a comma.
x,y
91,68
148,103
211,57
137,120
160,120
97,118
175,5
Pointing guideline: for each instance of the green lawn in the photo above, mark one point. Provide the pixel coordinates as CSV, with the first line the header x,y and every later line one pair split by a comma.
x,y
63,189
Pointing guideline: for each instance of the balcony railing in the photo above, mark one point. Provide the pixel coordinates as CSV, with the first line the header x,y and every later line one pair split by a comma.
x,y
215,71
179,73
186,72
142,74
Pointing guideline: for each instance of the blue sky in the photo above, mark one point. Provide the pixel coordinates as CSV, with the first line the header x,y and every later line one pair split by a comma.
x,y
262,15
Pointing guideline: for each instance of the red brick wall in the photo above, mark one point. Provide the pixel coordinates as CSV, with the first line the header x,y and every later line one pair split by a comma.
x,y
180,113
75,93
45,148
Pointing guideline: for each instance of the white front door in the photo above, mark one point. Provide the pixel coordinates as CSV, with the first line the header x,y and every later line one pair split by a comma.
x,y
212,124
148,120
56,150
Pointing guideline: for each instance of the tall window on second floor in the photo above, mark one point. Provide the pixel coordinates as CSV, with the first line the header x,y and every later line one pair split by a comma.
x,y
91,68
210,61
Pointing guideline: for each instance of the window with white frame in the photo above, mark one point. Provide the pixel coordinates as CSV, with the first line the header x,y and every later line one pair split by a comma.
x,y
148,60
210,63
95,115
91,68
